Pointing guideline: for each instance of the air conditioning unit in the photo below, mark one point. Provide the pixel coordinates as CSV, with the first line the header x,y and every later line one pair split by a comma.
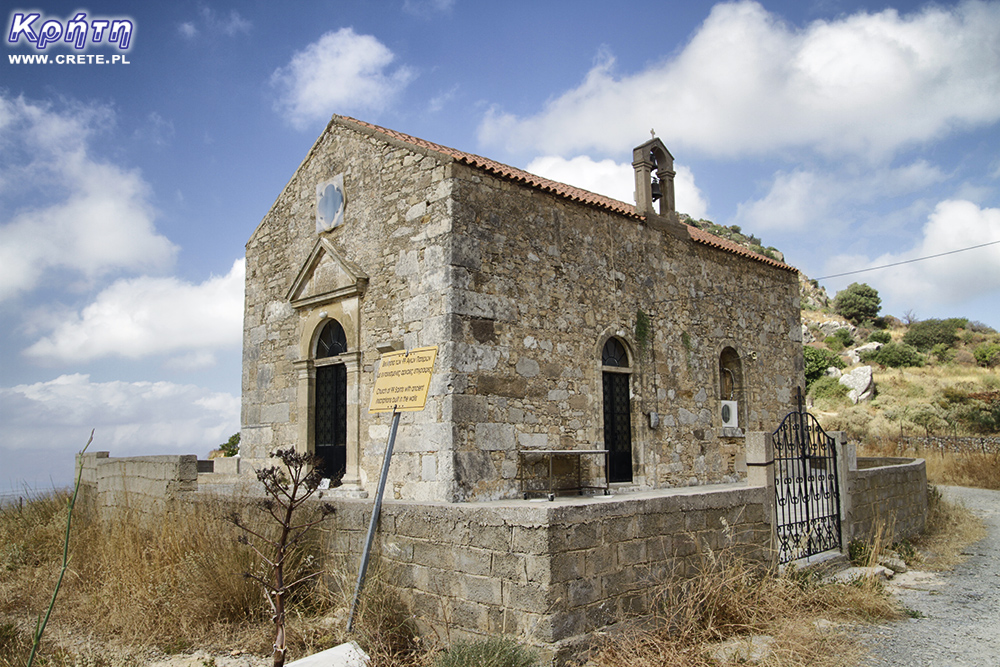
x,y
730,413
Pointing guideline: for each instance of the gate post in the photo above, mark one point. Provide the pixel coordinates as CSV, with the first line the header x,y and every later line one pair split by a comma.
x,y
760,472
847,465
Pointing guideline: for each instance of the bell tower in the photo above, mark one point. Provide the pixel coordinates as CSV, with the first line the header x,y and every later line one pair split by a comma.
x,y
654,178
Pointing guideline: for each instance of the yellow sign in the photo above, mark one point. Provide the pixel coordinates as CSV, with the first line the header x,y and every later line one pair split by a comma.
x,y
403,380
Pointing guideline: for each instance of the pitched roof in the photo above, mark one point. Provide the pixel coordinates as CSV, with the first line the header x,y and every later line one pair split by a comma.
x,y
560,189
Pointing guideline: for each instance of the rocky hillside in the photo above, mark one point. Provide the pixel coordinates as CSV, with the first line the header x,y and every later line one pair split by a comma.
x,y
887,376
930,377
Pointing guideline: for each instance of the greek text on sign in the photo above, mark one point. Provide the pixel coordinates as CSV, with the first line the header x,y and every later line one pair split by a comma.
x,y
403,380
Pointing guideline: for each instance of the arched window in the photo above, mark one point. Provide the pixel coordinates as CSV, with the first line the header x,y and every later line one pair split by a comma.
x,y
617,410
330,419
332,341
730,388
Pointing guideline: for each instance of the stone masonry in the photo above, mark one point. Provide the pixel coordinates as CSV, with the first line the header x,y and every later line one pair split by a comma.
x,y
551,574
519,282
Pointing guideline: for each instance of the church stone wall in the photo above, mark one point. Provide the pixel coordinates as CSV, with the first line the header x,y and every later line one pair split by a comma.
x,y
519,289
550,280
395,231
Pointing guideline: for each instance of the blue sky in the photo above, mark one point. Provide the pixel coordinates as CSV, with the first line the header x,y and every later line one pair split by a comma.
x,y
848,135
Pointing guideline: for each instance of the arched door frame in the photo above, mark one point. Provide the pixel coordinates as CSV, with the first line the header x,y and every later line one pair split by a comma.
x,y
345,312
616,380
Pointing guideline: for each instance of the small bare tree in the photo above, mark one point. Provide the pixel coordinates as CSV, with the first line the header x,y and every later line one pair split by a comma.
x,y
288,487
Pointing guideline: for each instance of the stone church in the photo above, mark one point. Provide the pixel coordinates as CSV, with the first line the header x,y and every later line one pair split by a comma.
x,y
563,320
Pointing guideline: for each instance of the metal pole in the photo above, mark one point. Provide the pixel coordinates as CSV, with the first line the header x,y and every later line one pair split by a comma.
x,y
373,523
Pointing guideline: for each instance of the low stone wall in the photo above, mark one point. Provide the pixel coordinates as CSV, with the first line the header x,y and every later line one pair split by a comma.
x,y
984,444
887,492
550,573
138,483
961,444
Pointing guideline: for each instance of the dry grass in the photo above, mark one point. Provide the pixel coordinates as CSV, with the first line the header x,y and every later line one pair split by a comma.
x,y
171,582
901,393
731,597
174,583
950,528
979,470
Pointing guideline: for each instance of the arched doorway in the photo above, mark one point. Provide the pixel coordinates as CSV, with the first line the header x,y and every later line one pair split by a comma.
x,y
616,376
330,419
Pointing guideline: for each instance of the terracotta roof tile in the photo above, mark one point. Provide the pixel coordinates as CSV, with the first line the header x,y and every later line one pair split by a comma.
x,y
701,236
561,189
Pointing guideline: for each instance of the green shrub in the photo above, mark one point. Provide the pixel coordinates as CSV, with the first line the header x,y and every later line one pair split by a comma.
x,y
987,354
925,334
489,652
817,361
943,353
834,343
828,387
880,337
859,553
844,336
232,446
857,303
894,355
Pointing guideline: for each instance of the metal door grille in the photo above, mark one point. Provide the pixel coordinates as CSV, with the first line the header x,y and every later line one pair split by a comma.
x,y
331,419
806,487
618,427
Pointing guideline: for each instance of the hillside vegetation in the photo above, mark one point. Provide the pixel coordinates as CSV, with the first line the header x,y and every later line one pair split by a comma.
x,y
931,377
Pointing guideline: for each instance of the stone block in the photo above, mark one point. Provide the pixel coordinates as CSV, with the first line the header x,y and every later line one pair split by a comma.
x,y
476,562
482,590
530,539
526,596
576,536
495,437
567,566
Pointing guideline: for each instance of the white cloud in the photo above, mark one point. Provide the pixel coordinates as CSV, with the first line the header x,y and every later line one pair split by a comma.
x,y
50,422
687,197
952,279
605,177
427,7
231,25
144,316
807,199
796,200
747,83
341,72
439,102
616,180
95,217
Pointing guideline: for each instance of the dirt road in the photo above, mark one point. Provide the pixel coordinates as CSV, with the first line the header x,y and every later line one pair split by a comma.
x,y
959,611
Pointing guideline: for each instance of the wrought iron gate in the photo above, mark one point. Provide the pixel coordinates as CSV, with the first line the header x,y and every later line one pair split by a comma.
x,y
807,493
